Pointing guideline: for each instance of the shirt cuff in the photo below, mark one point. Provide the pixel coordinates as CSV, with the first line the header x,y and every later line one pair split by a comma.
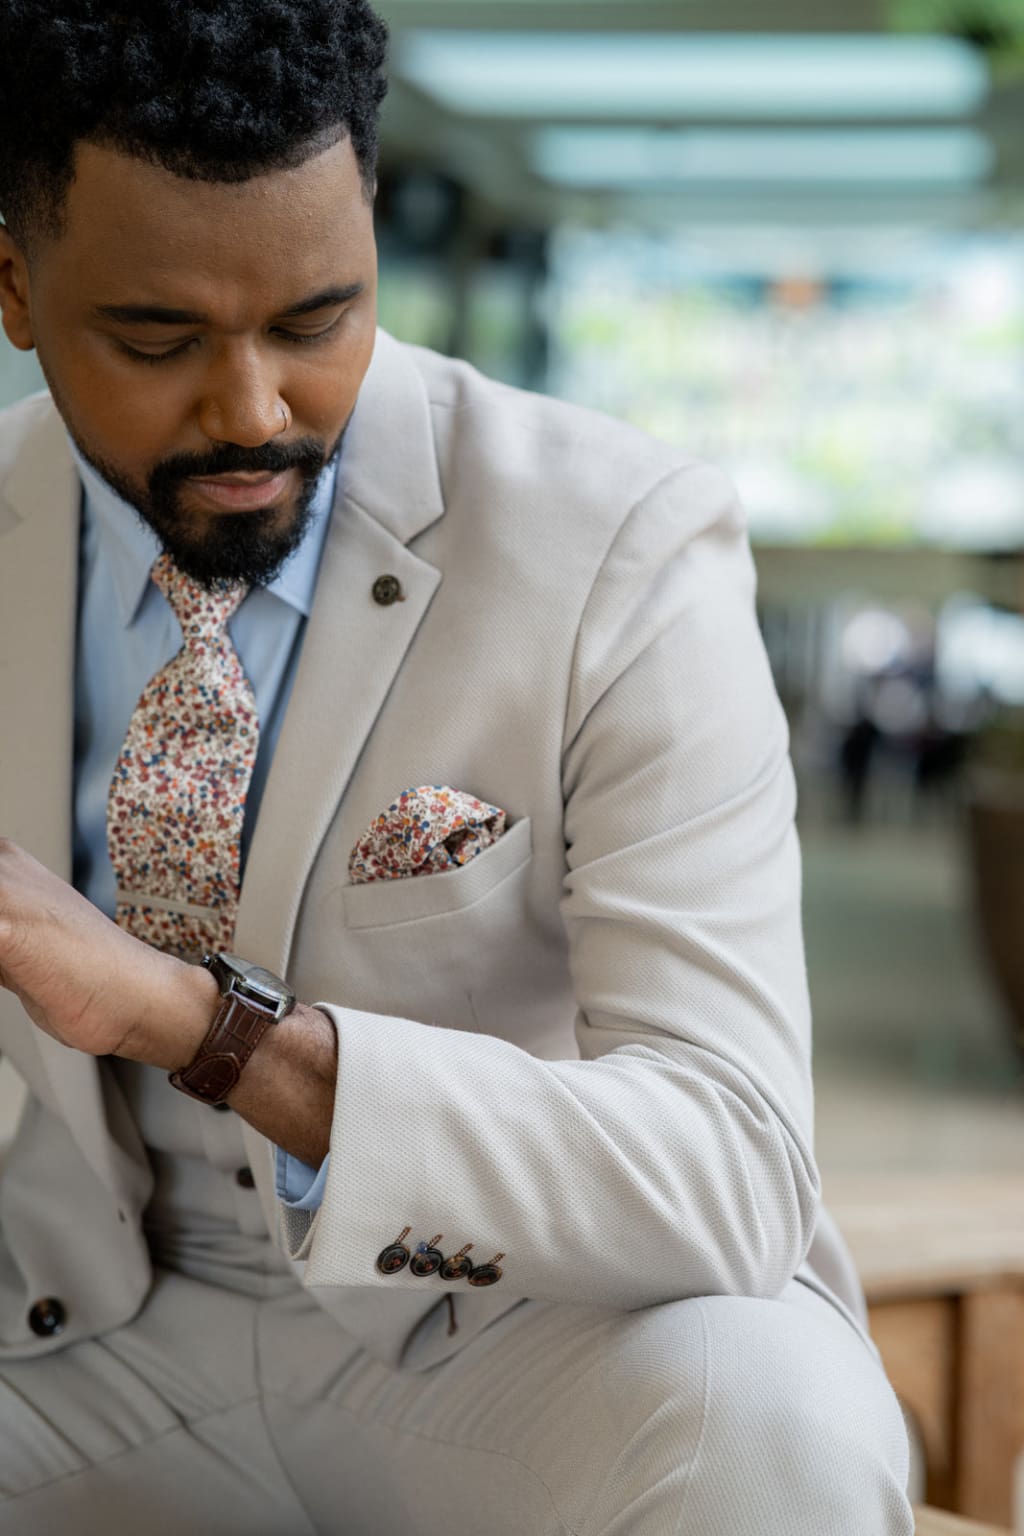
x,y
297,1185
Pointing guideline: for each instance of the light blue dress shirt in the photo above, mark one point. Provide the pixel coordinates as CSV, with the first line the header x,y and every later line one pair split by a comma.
x,y
126,633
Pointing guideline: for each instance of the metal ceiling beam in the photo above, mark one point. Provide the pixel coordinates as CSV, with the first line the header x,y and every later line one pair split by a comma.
x,y
490,158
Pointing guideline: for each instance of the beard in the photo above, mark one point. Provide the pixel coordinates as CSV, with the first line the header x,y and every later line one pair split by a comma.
x,y
247,547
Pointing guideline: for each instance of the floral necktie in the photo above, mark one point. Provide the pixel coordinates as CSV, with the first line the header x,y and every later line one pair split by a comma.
x,y
177,798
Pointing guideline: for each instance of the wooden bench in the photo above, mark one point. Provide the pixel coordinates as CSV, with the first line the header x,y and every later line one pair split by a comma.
x,y
942,1264
933,1522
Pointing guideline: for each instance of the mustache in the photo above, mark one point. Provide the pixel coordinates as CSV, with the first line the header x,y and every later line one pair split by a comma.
x,y
305,454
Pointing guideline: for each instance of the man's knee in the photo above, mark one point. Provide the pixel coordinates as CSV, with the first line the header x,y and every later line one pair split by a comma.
x,y
744,1416
800,1425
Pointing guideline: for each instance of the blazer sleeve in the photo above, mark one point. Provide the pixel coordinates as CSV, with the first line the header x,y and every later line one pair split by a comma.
x,y
675,1157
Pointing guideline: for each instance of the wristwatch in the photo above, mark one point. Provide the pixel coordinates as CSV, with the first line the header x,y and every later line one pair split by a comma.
x,y
252,999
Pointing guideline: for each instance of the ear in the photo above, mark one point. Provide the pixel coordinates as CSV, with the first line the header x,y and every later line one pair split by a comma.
x,y
14,293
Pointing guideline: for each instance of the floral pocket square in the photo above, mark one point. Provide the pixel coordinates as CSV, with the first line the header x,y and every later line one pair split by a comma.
x,y
425,832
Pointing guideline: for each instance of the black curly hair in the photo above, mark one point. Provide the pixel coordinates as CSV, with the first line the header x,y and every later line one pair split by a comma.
x,y
214,90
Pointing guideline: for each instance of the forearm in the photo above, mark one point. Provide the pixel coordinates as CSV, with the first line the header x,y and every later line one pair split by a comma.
x,y
286,1090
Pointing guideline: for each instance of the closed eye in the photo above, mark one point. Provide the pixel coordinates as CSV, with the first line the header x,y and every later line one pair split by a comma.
x,y
307,338
296,338
153,357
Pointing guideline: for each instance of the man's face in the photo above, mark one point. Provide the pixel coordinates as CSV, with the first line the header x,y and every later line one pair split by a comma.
x,y
204,342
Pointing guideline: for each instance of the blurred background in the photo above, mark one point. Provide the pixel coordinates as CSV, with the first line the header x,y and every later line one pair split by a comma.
x,y
789,237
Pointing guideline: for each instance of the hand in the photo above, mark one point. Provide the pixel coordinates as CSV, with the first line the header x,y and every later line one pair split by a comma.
x,y
85,981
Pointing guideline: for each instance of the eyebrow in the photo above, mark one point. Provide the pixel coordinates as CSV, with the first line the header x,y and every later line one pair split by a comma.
x,y
159,314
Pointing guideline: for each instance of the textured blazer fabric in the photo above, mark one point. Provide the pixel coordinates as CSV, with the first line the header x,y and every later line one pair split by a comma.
x,y
578,1050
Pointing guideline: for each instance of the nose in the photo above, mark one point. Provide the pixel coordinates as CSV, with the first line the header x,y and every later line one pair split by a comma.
x,y
241,402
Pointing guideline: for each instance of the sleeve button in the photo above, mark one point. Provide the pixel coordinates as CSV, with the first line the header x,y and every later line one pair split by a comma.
x,y
427,1259
456,1268
486,1274
393,1259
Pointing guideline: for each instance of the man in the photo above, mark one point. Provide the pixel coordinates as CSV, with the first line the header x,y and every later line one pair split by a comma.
x,y
502,1232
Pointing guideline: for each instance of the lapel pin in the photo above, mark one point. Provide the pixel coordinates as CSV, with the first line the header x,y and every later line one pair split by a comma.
x,y
388,590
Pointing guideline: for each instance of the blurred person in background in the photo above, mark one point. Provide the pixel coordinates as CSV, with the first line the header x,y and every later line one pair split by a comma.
x,y
518,1227
857,747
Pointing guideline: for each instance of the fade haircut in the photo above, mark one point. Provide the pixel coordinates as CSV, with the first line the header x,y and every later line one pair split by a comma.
x,y
212,90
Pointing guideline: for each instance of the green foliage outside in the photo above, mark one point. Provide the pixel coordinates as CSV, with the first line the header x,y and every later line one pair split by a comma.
x,y
995,25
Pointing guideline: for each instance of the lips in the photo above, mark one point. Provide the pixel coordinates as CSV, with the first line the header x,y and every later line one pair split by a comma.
x,y
243,493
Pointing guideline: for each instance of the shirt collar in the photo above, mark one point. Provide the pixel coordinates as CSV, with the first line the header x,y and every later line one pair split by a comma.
x,y
131,546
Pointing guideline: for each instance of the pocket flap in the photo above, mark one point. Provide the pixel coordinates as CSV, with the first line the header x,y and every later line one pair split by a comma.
x,y
382,902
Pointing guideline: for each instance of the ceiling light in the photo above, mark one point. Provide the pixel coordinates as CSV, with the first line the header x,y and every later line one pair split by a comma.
x,y
614,157
686,75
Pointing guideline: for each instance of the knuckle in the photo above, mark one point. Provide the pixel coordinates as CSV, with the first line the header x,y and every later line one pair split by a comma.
x,y
8,935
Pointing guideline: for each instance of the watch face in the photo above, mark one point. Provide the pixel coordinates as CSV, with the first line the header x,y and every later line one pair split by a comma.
x,y
263,983
254,984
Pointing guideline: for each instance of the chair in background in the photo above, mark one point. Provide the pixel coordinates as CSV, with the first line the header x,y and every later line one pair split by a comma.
x,y
942,1265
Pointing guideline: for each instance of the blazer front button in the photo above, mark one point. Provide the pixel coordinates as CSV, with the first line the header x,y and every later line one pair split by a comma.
x,y
388,590
47,1317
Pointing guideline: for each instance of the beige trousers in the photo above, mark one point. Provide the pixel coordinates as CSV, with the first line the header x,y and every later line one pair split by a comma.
x,y
219,1414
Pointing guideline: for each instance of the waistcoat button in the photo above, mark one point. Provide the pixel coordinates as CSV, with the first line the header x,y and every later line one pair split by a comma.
x,y
245,1179
47,1317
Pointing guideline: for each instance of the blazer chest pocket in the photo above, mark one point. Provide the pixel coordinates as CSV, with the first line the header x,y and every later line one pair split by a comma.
x,y
382,903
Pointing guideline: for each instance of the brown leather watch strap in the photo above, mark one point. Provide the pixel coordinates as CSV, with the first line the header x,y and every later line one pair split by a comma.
x,y
236,1031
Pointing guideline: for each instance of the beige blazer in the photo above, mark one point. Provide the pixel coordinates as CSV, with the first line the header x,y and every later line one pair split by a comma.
x,y
589,1049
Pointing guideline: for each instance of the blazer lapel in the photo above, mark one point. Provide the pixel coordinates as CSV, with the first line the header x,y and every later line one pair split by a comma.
x,y
38,587
39,517
388,491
